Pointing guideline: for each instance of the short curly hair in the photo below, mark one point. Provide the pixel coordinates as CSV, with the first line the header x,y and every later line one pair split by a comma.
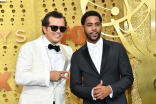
x,y
55,14
90,13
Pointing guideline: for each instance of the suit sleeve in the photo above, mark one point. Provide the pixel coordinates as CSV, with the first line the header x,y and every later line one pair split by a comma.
x,y
23,72
126,74
76,81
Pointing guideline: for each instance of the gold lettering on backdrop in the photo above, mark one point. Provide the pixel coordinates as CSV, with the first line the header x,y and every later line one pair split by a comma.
x,y
3,81
146,73
153,20
22,36
5,36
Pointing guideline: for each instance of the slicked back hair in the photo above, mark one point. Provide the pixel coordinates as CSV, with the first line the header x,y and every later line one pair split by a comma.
x,y
55,14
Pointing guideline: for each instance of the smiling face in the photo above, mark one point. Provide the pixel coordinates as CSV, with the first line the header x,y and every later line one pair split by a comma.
x,y
92,28
54,36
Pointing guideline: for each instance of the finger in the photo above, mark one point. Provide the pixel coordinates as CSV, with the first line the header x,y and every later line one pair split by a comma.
x,y
96,92
96,88
62,76
101,82
98,85
98,96
63,72
102,97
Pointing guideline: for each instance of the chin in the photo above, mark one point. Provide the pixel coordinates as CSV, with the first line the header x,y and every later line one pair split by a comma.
x,y
94,39
57,41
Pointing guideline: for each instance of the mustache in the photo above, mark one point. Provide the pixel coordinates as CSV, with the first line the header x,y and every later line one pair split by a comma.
x,y
95,32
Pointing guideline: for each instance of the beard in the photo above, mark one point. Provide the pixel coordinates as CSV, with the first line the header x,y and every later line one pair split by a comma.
x,y
89,36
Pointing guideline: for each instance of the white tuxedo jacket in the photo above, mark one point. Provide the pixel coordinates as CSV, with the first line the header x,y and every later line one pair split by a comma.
x,y
31,65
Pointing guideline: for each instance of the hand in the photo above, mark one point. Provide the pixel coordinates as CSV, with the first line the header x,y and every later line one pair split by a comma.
x,y
100,92
96,90
56,75
109,40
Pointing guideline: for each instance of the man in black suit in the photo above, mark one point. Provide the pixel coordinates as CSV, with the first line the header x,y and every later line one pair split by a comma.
x,y
104,66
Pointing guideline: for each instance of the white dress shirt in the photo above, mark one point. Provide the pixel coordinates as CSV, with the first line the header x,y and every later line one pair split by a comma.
x,y
56,59
95,51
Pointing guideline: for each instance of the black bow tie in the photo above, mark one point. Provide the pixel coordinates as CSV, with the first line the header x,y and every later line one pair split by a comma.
x,y
57,48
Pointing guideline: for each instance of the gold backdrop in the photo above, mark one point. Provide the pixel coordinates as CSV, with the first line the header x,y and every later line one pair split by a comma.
x,y
130,22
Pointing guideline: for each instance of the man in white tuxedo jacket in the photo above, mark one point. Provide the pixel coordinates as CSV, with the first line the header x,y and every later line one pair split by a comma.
x,y
43,64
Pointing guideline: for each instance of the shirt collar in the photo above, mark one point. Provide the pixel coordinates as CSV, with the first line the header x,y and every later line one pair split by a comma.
x,y
100,42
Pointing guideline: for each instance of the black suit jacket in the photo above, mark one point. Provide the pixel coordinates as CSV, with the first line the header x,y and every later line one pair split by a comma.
x,y
115,71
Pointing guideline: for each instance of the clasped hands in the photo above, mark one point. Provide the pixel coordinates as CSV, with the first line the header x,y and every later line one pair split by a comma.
x,y
56,75
100,92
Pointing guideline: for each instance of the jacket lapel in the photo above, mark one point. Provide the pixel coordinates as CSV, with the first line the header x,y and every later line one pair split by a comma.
x,y
64,53
87,57
45,58
43,53
105,52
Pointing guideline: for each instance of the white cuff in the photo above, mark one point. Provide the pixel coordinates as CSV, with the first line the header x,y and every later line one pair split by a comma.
x,y
93,95
47,77
111,94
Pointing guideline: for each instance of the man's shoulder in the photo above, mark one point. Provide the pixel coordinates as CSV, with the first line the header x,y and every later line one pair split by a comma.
x,y
31,45
67,48
116,46
80,50
113,43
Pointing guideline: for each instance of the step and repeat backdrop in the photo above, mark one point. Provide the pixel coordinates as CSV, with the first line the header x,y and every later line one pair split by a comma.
x,y
130,22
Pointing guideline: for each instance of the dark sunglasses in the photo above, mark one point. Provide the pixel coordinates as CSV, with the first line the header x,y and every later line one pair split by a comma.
x,y
55,28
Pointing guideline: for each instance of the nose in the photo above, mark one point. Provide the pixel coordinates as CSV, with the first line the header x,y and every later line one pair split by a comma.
x,y
94,27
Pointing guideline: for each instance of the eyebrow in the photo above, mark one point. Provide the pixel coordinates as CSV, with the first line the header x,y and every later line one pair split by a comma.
x,y
92,23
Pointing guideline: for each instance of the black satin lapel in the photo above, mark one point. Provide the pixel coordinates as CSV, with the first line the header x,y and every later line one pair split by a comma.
x,y
104,57
86,55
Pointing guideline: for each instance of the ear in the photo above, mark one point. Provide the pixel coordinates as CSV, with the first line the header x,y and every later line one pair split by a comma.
x,y
101,27
82,28
44,29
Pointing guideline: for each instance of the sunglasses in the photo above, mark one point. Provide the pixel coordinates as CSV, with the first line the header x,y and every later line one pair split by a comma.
x,y
55,28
